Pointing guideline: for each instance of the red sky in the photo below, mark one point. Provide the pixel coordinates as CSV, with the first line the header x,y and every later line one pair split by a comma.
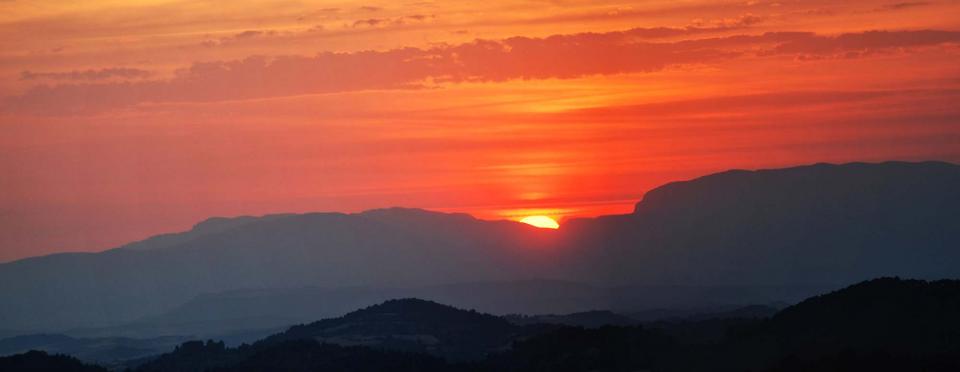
x,y
125,119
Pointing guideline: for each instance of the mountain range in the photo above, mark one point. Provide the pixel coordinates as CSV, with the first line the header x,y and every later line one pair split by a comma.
x,y
736,237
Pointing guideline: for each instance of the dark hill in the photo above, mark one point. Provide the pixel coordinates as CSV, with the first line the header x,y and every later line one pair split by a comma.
x,y
885,324
41,361
875,325
412,325
913,317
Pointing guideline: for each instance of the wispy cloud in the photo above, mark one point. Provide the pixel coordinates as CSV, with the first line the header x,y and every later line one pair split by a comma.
x,y
396,21
90,74
903,5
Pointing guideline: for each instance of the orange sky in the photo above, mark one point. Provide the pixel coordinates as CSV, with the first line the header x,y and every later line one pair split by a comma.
x,y
123,119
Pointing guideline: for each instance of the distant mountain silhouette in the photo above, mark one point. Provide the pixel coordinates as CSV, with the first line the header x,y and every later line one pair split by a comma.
x,y
759,233
209,226
822,223
397,247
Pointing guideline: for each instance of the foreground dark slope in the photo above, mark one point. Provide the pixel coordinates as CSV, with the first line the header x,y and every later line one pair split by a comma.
x,y
880,325
885,324
41,361
910,317
821,224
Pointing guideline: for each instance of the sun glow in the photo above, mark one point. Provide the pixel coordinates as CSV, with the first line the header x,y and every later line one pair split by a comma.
x,y
542,222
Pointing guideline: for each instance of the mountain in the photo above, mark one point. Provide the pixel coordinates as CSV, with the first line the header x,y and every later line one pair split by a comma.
x,y
759,236
396,247
819,224
209,226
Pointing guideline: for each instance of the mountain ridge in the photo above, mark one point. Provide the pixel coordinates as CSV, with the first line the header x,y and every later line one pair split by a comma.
x,y
826,224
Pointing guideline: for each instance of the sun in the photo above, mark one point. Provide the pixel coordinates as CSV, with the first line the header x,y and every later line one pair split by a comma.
x,y
542,222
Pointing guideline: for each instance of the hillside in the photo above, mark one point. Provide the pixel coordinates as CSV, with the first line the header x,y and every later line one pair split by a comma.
x,y
412,325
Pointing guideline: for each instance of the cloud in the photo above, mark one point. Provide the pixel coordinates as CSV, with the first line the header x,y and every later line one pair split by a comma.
x,y
99,74
813,44
248,34
903,5
242,36
371,22
775,101
365,25
558,56
743,21
396,21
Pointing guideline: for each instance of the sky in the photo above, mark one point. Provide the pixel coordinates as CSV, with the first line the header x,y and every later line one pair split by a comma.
x,y
125,119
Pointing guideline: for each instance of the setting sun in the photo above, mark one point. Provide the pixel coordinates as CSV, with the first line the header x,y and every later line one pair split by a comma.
x,y
542,222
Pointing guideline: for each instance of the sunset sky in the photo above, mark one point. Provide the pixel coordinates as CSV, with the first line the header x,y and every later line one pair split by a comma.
x,y
124,119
